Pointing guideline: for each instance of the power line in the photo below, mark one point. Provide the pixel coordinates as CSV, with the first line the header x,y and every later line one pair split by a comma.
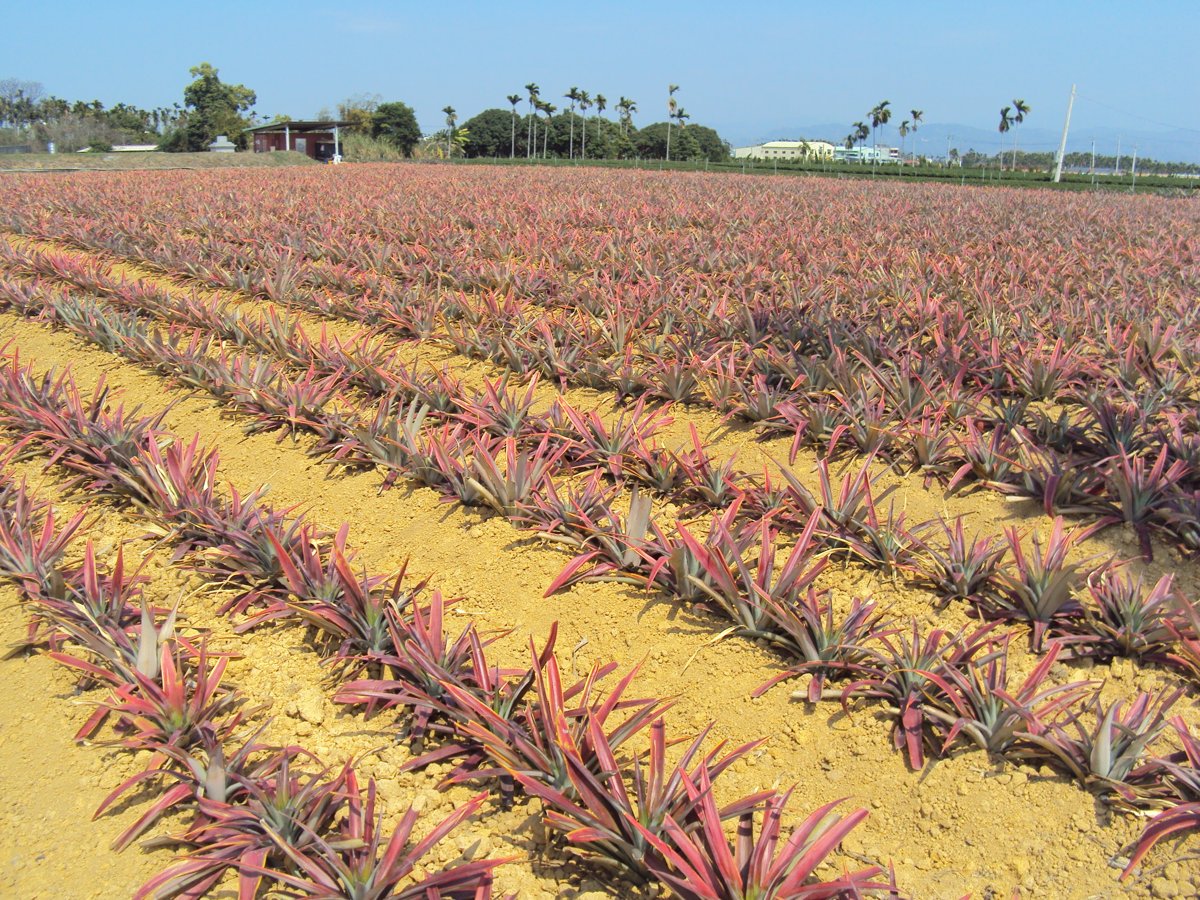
x,y
1134,115
1005,144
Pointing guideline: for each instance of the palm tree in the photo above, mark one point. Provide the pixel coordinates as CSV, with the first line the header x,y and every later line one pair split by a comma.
x,y
671,107
601,105
572,95
1005,124
916,115
451,118
548,109
628,108
1022,109
879,116
585,103
514,99
903,134
530,130
681,116
861,132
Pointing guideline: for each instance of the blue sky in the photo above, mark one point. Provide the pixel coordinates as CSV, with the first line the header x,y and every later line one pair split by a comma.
x,y
750,69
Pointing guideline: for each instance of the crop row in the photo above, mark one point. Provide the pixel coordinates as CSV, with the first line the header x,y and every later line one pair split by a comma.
x,y
268,812
567,234
252,810
1038,424
494,450
939,687
938,296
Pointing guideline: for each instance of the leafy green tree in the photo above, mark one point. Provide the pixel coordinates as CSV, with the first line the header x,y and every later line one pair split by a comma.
x,y
130,119
486,133
214,108
51,108
651,143
619,144
19,101
687,148
360,112
170,118
712,146
173,140
693,142
396,123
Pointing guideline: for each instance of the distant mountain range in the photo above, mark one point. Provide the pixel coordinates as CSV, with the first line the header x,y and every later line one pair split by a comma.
x,y
931,138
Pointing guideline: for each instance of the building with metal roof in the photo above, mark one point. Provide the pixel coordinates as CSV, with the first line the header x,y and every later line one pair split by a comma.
x,y
320,140
787,150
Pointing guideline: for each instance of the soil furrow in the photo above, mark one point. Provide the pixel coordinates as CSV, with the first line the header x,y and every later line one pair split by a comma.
x,y
822,750
985,512
279,673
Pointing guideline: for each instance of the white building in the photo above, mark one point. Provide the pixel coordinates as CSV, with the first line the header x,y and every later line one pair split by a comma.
x,y
786,150
867,154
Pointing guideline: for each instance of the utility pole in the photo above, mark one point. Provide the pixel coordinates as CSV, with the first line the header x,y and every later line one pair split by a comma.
x,y
949,138
1062,147
1117,167
1092,169
1133,171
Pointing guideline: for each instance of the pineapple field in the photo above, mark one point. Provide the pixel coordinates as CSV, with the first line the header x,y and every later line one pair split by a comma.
x,y
429,531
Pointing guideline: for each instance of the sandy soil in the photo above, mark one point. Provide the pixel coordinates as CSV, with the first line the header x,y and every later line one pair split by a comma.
x,y
962,825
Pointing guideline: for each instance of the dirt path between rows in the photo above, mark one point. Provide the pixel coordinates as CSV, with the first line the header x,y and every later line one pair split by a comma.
x,y
961,825
725,439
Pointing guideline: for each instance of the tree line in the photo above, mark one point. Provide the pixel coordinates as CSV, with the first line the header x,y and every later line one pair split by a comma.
x,y
542,130
210,107
576,130
28,114
1075,161
499,133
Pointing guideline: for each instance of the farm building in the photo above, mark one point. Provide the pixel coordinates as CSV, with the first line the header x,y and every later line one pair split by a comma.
x,y
867,154
320,140
786,150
